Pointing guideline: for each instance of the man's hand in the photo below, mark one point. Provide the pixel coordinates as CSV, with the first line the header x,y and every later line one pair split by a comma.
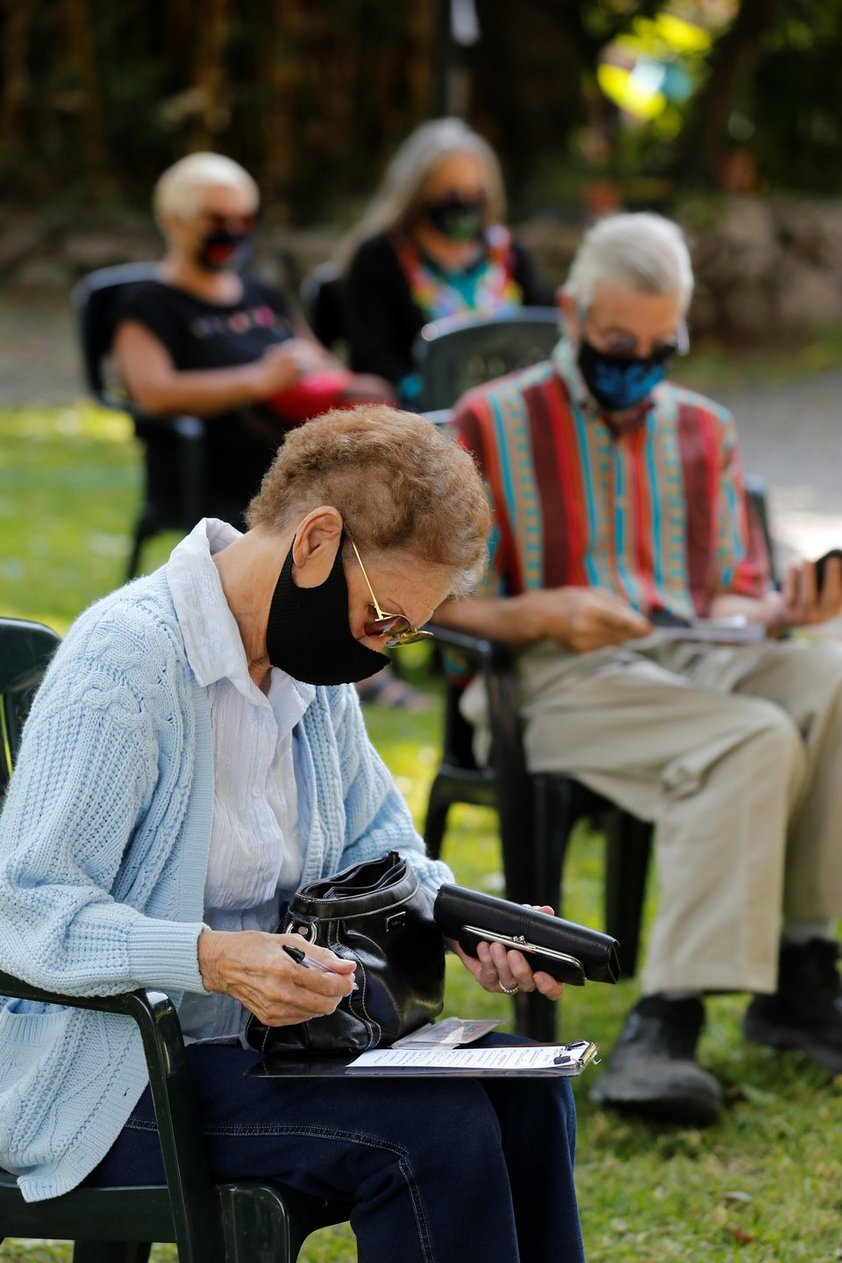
x,y
583,619
254,968
800,602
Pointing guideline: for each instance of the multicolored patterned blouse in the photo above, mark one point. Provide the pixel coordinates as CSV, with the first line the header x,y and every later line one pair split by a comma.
x,y
655,513
488,286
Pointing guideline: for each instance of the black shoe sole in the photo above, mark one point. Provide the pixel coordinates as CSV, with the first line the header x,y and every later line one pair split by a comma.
x,y
678,1111
757,1030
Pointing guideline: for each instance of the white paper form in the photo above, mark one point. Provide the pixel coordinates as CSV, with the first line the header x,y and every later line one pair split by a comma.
x,y
524,1059
735,630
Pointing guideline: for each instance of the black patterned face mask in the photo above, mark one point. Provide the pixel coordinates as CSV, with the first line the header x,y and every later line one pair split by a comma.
x,y
457,219
221,249
619,382
308,634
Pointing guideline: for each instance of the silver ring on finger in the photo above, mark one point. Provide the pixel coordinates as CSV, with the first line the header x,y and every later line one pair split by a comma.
x,y
509,990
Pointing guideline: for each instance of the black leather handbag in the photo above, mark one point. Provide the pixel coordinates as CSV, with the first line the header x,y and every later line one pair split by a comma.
x,y
378,915
570,952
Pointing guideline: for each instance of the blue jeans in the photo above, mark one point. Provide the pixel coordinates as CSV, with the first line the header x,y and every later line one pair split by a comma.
x,y
439,1171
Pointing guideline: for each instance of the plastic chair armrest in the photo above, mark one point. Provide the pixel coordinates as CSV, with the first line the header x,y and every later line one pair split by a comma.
x,y
194,1207
491,656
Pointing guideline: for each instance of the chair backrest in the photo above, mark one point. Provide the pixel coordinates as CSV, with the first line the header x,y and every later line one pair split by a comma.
x,y
453,354
757,497
25,651
98,300
323,303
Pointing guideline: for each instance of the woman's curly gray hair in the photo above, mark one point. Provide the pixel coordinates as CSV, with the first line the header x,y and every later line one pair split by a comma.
x,y
397,481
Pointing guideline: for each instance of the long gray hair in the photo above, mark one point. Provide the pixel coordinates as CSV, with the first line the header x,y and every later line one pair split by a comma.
x,y
398,198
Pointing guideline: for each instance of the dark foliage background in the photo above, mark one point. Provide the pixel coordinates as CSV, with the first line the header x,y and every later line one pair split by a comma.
x,y
98,96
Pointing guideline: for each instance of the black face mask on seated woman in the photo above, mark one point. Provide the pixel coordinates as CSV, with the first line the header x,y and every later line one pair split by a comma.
x,y
308,634
456,218
222,249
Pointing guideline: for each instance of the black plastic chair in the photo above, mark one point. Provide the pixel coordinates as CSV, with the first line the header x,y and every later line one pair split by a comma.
x,y
241,1222
760,519
453,354
25,651
536,812
324,305
174,446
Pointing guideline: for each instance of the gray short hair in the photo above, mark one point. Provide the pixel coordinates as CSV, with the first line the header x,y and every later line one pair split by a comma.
x,y
179,191
642,251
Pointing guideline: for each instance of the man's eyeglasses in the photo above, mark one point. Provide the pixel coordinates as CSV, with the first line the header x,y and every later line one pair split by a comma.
x,y
624,346
395,627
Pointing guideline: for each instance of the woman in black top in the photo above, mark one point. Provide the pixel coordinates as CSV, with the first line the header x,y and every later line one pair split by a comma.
x,y
205,340
432,244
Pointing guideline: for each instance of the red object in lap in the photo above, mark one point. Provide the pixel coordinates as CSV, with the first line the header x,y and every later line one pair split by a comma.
x,y
315,394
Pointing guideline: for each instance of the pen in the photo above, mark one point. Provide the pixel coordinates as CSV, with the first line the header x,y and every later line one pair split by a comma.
x,y
308,962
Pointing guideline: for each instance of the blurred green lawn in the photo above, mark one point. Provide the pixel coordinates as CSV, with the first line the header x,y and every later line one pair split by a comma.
x,y
762,1186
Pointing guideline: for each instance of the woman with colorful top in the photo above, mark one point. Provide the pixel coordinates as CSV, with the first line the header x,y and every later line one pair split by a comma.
x,y
432,244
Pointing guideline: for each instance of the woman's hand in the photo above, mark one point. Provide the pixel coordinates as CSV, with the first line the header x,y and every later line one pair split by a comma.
x,y
365,387
254,969
282,365
498,968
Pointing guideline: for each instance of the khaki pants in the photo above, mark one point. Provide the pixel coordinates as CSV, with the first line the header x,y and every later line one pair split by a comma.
x,y
735,754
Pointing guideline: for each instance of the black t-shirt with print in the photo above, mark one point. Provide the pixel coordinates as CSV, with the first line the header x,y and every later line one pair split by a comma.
x,y
198,334
202,335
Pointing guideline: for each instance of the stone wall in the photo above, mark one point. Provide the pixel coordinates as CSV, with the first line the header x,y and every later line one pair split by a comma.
x,y
765,267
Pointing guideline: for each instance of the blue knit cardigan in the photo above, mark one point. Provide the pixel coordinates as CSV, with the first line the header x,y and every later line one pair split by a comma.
x,y
103,852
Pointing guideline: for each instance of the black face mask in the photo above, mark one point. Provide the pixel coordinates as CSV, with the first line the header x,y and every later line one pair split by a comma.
x,y
308,634
618,382
222,249
457,219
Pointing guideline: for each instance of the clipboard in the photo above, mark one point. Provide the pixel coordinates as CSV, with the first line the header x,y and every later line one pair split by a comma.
x,y
510,1060
495,1061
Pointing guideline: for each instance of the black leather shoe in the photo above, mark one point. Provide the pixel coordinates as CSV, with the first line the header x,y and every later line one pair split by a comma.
x,y
806,1010
653,1070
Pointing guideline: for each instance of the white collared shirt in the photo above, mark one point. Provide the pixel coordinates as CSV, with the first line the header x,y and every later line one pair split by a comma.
x,y
255,858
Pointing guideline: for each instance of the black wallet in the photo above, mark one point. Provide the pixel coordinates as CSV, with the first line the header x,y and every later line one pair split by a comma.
x,y
569,952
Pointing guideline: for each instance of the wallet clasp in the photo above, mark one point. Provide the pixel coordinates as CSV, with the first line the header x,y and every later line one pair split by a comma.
x,y
518,942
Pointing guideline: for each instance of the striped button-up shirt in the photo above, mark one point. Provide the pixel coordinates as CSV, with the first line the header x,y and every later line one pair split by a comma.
x,y
654,512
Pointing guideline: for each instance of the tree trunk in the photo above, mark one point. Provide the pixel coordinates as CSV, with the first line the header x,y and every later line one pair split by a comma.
x,y
82,57
18,14
212,112
733,55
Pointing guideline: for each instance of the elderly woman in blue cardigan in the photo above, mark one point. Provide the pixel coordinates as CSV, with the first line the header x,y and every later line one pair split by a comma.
x,y
194,754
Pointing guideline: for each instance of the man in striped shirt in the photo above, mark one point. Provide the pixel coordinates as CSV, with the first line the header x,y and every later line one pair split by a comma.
x,y
619,503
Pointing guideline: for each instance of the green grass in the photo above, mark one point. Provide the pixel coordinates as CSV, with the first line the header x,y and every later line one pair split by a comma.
x,y
761,1187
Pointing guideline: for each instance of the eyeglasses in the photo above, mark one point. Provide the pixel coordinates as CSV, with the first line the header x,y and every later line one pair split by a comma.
x,y
222,223
624,346
395,627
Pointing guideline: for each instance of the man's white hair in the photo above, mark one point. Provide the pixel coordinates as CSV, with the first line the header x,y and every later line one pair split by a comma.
x,y
643,252
180,190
